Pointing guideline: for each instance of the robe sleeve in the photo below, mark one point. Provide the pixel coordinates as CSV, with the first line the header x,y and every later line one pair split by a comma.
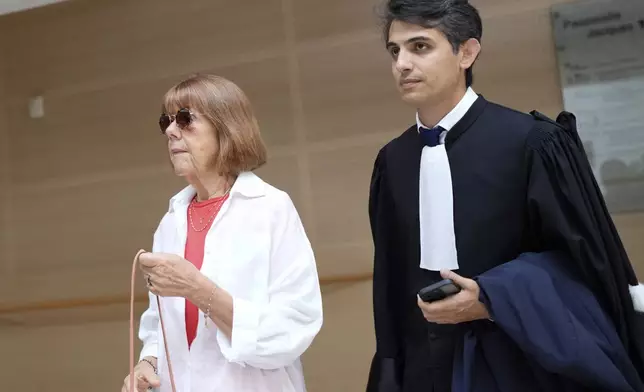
x,y
572,346
567,213
386,366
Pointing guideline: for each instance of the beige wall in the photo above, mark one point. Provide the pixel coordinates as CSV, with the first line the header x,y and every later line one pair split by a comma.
x,y
4,184
89,181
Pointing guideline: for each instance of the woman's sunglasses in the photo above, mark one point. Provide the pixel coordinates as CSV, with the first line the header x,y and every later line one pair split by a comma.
x,y
183,118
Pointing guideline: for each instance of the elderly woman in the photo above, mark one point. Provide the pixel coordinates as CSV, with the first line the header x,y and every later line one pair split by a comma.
x,y
231,262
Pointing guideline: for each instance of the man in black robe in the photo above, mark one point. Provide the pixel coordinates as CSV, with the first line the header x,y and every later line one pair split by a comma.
x,y
469,186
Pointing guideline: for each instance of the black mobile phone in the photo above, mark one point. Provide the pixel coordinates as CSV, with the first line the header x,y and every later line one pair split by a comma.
x,y
439,290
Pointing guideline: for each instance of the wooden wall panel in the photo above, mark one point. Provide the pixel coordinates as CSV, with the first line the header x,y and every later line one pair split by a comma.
x,y
318,20
98,131
341,208
115,129
340,357
83,232
511,57
508,9
6,261
267,84
92,44
348,90
91,356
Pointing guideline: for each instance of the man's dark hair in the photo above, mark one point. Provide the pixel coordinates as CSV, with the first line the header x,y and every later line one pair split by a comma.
x,y
456,19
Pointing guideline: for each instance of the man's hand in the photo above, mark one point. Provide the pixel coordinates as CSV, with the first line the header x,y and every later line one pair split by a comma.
x,y
459,308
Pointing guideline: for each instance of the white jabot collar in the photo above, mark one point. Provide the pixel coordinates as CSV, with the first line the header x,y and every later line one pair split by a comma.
x,y
436,204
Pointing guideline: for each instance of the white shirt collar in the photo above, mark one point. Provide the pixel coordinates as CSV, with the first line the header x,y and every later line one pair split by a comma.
x,y
455,114
248,184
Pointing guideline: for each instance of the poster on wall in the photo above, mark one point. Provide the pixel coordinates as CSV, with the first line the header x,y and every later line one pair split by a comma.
x,y
600,55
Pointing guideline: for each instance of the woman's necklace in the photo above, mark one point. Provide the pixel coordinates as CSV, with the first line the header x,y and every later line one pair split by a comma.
x,y
212,212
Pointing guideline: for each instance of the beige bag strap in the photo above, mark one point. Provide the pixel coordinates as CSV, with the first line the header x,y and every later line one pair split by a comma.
x,y
165,344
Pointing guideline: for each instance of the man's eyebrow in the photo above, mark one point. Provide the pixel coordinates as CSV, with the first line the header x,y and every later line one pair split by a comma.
x,y
418,38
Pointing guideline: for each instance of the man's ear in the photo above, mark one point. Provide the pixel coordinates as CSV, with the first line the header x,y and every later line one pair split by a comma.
x,y
470,50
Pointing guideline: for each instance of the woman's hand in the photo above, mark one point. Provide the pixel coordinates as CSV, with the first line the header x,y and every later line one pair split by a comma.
x,y
145,377
168,275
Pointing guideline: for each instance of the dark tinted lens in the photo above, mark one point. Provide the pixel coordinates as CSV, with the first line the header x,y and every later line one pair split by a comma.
x,y
183,118
164,122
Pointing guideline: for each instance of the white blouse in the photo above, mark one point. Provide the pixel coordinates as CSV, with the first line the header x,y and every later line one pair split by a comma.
x,y
256,250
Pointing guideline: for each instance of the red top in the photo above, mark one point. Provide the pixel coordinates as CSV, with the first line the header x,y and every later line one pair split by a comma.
x,y
201,215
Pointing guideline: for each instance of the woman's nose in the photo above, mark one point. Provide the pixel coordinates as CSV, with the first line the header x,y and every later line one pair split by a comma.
x,y
173,131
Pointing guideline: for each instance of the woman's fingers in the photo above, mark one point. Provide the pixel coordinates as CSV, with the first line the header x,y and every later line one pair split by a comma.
x,y
142,382
153,380
126,384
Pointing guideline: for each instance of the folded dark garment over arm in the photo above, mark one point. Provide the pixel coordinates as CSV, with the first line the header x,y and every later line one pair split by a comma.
x,y
549,334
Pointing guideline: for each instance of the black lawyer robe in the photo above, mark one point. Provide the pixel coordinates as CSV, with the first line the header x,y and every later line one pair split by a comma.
x,y
521,183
